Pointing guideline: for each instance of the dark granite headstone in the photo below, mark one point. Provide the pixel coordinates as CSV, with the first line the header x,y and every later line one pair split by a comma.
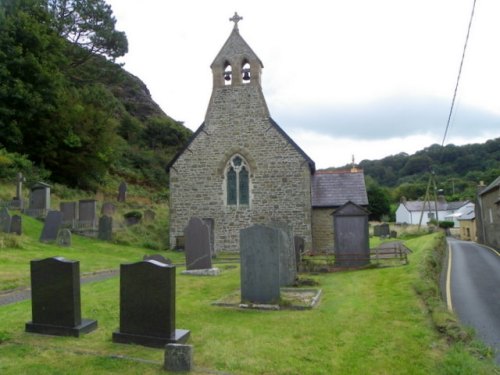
x,y
108,209
147,305
197,245
149,216
157,257
51,227
64,238
122,192
288,264
70,212
299,245
16,225
55,299
260,264
105,228
87,212
5,220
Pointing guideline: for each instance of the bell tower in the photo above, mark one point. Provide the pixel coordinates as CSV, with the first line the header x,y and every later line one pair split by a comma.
x,y
236,64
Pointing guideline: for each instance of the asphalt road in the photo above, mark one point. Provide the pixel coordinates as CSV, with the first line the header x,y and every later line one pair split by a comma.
x,y
474,287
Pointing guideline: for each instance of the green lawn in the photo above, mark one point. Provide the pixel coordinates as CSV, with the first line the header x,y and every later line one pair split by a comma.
x,y
368,322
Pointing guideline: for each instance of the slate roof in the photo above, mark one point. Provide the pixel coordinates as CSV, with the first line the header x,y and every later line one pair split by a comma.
x,y
470,215
335,188
441,206
492,186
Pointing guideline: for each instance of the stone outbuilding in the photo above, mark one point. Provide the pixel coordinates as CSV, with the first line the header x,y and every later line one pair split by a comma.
x,y
488,214
240,168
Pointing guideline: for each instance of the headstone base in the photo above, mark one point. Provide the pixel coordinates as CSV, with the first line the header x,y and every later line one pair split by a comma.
x,y
180,336
178,357
86,326
203,272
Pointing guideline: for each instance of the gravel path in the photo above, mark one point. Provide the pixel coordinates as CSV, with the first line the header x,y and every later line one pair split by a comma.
x,y
25,293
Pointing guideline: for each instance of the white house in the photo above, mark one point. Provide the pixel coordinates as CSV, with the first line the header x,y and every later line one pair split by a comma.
x,y
410,212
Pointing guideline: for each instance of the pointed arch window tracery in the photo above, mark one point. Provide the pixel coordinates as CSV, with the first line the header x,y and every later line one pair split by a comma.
x,y
237,182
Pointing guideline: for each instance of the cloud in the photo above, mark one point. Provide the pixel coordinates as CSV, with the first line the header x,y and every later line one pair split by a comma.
x,y
395,117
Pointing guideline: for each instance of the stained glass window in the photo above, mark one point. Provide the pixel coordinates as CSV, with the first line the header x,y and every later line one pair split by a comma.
x,y
231,186
243,184
237,182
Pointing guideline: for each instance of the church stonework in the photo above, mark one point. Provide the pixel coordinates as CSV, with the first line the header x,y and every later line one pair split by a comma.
x,y
240,168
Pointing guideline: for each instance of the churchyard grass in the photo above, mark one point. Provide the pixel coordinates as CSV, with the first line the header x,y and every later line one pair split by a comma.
x,y
368,322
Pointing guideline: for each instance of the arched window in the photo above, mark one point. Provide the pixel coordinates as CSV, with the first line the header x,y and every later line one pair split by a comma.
x,y
237,182
245,73
228,74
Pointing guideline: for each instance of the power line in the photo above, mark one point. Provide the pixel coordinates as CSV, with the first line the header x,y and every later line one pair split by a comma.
x,y
459,73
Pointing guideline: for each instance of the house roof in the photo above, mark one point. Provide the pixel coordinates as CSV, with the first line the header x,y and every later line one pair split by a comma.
x,y
495,184
469,215
441,206
335,188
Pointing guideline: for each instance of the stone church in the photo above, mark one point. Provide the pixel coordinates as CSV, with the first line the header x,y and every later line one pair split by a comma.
x,y
240,167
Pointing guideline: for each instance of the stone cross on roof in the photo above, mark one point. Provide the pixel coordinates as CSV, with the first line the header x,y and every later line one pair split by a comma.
x,y
236,18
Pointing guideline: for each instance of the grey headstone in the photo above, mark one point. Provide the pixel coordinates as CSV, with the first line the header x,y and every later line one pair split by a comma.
x,y
147,305
197,245
69,211
122,192
260,264
149,216
300,245
108,209
376,230
210,223
288,264
158,257
16,225
105,232
19,186
384,230
87,211
64,238
5,220
178,357
40,196
393,234
51,227
55,298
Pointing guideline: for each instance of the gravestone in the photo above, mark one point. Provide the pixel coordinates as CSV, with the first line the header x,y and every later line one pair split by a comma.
x,y
55,299
288,264
64,237
393,234
122,192
16,225
70,213
351,238
87,213
384,230
105,232
178,357
147,305
149,216
157,257
5,220
108,209
51,227
211,232
376,230
17,201
39,201
260,264
300,245
197,245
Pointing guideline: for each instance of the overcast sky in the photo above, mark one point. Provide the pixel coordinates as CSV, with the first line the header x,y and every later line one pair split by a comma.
x,y
363,77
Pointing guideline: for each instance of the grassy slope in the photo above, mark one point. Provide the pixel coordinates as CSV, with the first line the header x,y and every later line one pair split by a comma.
x,y
368,321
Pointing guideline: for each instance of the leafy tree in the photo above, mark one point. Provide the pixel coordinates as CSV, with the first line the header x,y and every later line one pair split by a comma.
x,y
162,132
378,198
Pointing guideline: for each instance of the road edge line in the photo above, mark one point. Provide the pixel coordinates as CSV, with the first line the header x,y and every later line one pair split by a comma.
x,y
448,281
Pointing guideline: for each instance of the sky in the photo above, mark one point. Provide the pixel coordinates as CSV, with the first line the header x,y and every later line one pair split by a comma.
x,y
342,78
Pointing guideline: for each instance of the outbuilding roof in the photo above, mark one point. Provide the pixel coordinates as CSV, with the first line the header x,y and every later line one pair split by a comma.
x,y
335,188
441,206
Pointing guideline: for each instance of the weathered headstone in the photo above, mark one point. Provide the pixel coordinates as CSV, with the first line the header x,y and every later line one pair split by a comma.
x,y
147,305
16,225
300,245
376,230
288,264
87,213
18,202
108,209
260,264
393,234
149,216
197,245
157,257
39,200
64,237
178,357
51,227
122,192
5,220
55,299
211,232
105,232
70,213
384,230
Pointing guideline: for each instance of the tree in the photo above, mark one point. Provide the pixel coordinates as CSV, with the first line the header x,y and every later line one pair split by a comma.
x,y
378,198
90,25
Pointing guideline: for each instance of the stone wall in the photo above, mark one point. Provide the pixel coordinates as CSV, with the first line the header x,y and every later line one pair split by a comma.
x,y
322,232
237,122
491,218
